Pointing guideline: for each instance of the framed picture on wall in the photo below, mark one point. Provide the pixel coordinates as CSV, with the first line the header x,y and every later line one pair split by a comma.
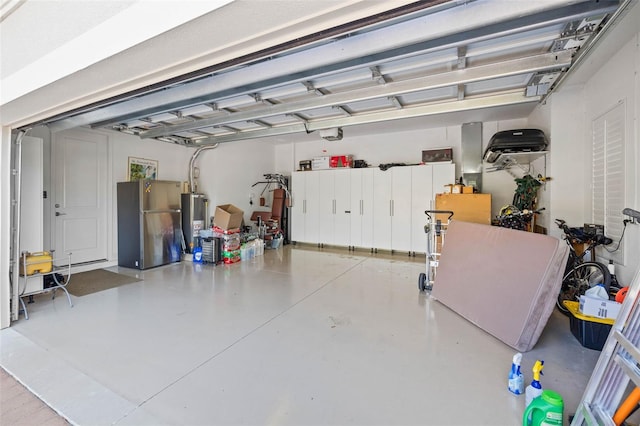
x,y
142,168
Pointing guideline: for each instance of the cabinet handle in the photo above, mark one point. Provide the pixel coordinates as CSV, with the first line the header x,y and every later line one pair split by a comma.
x,y
334,206
390,208
304,206
393,208
361,207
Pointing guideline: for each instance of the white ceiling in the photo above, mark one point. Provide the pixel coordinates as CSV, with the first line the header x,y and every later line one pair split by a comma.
x,y
497,62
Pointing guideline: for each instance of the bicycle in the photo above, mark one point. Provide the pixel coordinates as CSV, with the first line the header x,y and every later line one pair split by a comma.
x,y
435,230
512,217
580,275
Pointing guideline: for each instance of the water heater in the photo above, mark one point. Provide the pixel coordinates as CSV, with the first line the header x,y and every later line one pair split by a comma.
x,y
194,218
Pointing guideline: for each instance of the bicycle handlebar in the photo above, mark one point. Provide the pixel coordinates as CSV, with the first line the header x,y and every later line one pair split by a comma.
x,y
583,237
430,212
635,214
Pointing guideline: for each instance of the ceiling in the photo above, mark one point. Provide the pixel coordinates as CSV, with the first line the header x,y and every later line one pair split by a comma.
x,y
428,59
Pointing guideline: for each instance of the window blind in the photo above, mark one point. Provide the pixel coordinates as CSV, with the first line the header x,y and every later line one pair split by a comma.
x,y
608,178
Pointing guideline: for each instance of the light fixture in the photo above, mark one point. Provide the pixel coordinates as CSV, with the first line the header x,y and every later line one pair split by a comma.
x,y
332,134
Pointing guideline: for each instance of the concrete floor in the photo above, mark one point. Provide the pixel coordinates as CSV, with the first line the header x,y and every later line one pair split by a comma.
x,y
299,336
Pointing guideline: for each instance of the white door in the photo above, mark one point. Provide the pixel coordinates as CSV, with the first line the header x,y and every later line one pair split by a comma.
x,y
421,200
297,206
80,195
401,208
367,208
326,206
342,207
443,174
311,209
382,209
355,227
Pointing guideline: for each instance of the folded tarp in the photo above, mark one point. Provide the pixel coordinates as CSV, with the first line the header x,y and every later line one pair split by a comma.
x,y
503,280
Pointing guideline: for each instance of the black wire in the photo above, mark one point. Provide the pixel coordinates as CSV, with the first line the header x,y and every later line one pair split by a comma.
x,y
619,241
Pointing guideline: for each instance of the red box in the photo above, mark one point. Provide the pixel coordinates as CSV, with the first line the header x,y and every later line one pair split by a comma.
x,y
336,161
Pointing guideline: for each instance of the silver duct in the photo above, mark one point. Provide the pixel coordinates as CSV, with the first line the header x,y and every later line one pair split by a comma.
x,y
193,162
472,154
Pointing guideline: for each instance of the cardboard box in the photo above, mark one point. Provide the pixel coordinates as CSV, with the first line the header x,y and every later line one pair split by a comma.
x,y
320,163
466,207
336,161
437,155
599,308
305,165
228,216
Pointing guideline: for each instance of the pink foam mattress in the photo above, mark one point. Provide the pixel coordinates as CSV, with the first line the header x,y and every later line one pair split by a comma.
x,y
502,280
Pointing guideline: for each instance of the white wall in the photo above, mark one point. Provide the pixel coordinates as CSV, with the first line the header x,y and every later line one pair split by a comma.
x,y
405,146
228,172
618,81
572,110
172,165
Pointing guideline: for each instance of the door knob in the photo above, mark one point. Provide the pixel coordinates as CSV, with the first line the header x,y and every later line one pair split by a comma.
x,y
60,214
57,206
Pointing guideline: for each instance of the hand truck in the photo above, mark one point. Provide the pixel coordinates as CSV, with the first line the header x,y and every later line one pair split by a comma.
x,y
436,228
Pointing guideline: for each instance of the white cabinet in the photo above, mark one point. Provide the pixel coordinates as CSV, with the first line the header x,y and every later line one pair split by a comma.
x,y
334,207
367,208
392,209
361,228
426,182
382,209
305,207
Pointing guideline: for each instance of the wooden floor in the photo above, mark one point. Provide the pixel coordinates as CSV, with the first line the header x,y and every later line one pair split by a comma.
x,y
19,407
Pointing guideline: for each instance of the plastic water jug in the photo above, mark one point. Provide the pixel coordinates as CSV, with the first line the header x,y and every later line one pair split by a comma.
x,y
547,409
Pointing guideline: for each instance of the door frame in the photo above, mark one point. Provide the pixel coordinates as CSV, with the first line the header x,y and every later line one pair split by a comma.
x,y
109,204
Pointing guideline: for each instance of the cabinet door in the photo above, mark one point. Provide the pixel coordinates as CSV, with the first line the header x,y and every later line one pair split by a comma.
x,y
355,229
382,209
342,207
443,174
326,206
367,208
304,209
298,194
421,200
401,208
311,211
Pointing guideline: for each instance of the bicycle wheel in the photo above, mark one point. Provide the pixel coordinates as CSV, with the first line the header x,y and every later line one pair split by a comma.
x,y
580,279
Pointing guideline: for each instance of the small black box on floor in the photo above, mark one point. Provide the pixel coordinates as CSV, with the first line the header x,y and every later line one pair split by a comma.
x,y
591,332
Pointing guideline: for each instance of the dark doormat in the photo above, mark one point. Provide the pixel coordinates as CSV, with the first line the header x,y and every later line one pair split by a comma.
x,y
97,280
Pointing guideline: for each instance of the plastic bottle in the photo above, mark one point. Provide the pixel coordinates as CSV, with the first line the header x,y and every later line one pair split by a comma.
x,y
535,388
597,291
197,255
516,381
546,410
612,271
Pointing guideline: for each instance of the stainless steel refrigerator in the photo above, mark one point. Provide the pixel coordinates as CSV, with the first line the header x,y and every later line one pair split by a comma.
x,y
149,223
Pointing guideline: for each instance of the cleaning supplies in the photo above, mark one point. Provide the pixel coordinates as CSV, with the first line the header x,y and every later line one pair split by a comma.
x,y
535,388
546,410
516,381
197,255
598,291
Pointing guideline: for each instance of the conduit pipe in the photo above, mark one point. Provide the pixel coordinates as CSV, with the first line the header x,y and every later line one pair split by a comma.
x,y
193,162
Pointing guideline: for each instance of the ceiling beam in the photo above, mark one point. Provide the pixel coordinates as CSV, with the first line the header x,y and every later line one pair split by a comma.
x,y
556,60
468,104
199,92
